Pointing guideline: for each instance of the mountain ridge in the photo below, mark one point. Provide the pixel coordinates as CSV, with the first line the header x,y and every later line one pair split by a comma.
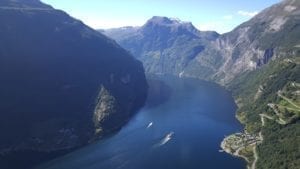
x,y
251,39
164,45
63,84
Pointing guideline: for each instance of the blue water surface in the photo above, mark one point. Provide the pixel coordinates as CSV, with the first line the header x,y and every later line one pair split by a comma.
x,y
184,132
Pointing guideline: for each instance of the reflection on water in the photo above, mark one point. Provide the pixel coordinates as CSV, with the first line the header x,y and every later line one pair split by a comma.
x,y
183,132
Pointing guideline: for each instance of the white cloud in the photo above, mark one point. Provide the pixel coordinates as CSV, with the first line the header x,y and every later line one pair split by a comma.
x,y
227,17
247,13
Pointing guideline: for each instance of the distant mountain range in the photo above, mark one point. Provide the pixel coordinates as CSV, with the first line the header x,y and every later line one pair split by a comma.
x,y
170,46
256,61
63,84
164,45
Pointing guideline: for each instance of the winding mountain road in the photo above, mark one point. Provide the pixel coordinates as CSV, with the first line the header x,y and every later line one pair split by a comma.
x,y
287,99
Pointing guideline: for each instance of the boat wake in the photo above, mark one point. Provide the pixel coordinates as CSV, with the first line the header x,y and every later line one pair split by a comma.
x,y
165,140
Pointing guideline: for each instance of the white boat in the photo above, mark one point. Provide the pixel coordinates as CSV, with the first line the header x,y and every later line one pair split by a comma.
x,y
149,125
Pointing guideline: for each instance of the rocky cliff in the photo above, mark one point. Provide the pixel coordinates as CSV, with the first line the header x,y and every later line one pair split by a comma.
x,y
62,83
271,34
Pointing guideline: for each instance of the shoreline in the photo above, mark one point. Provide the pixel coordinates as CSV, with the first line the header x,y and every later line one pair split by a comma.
x,y
242,145
241,141
235,154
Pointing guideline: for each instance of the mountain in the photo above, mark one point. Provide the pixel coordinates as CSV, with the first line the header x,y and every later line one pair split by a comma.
x,y
262,69
271,34
258,62
25,4
164,45
63,84
171,46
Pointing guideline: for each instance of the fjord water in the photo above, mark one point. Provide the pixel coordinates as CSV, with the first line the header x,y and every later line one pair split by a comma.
x,y
183,132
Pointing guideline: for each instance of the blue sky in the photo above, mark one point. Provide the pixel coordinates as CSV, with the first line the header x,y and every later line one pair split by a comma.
x,y
219,15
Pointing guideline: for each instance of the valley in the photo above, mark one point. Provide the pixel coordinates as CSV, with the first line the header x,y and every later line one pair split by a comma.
x,y
184,131
162,95
259,63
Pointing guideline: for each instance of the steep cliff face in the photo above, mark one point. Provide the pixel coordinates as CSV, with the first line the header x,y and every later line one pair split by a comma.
x,y
164,45
273,33
262,69
62,83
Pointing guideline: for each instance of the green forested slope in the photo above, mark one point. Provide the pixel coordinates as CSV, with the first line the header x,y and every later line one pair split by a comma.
x,y
255,93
